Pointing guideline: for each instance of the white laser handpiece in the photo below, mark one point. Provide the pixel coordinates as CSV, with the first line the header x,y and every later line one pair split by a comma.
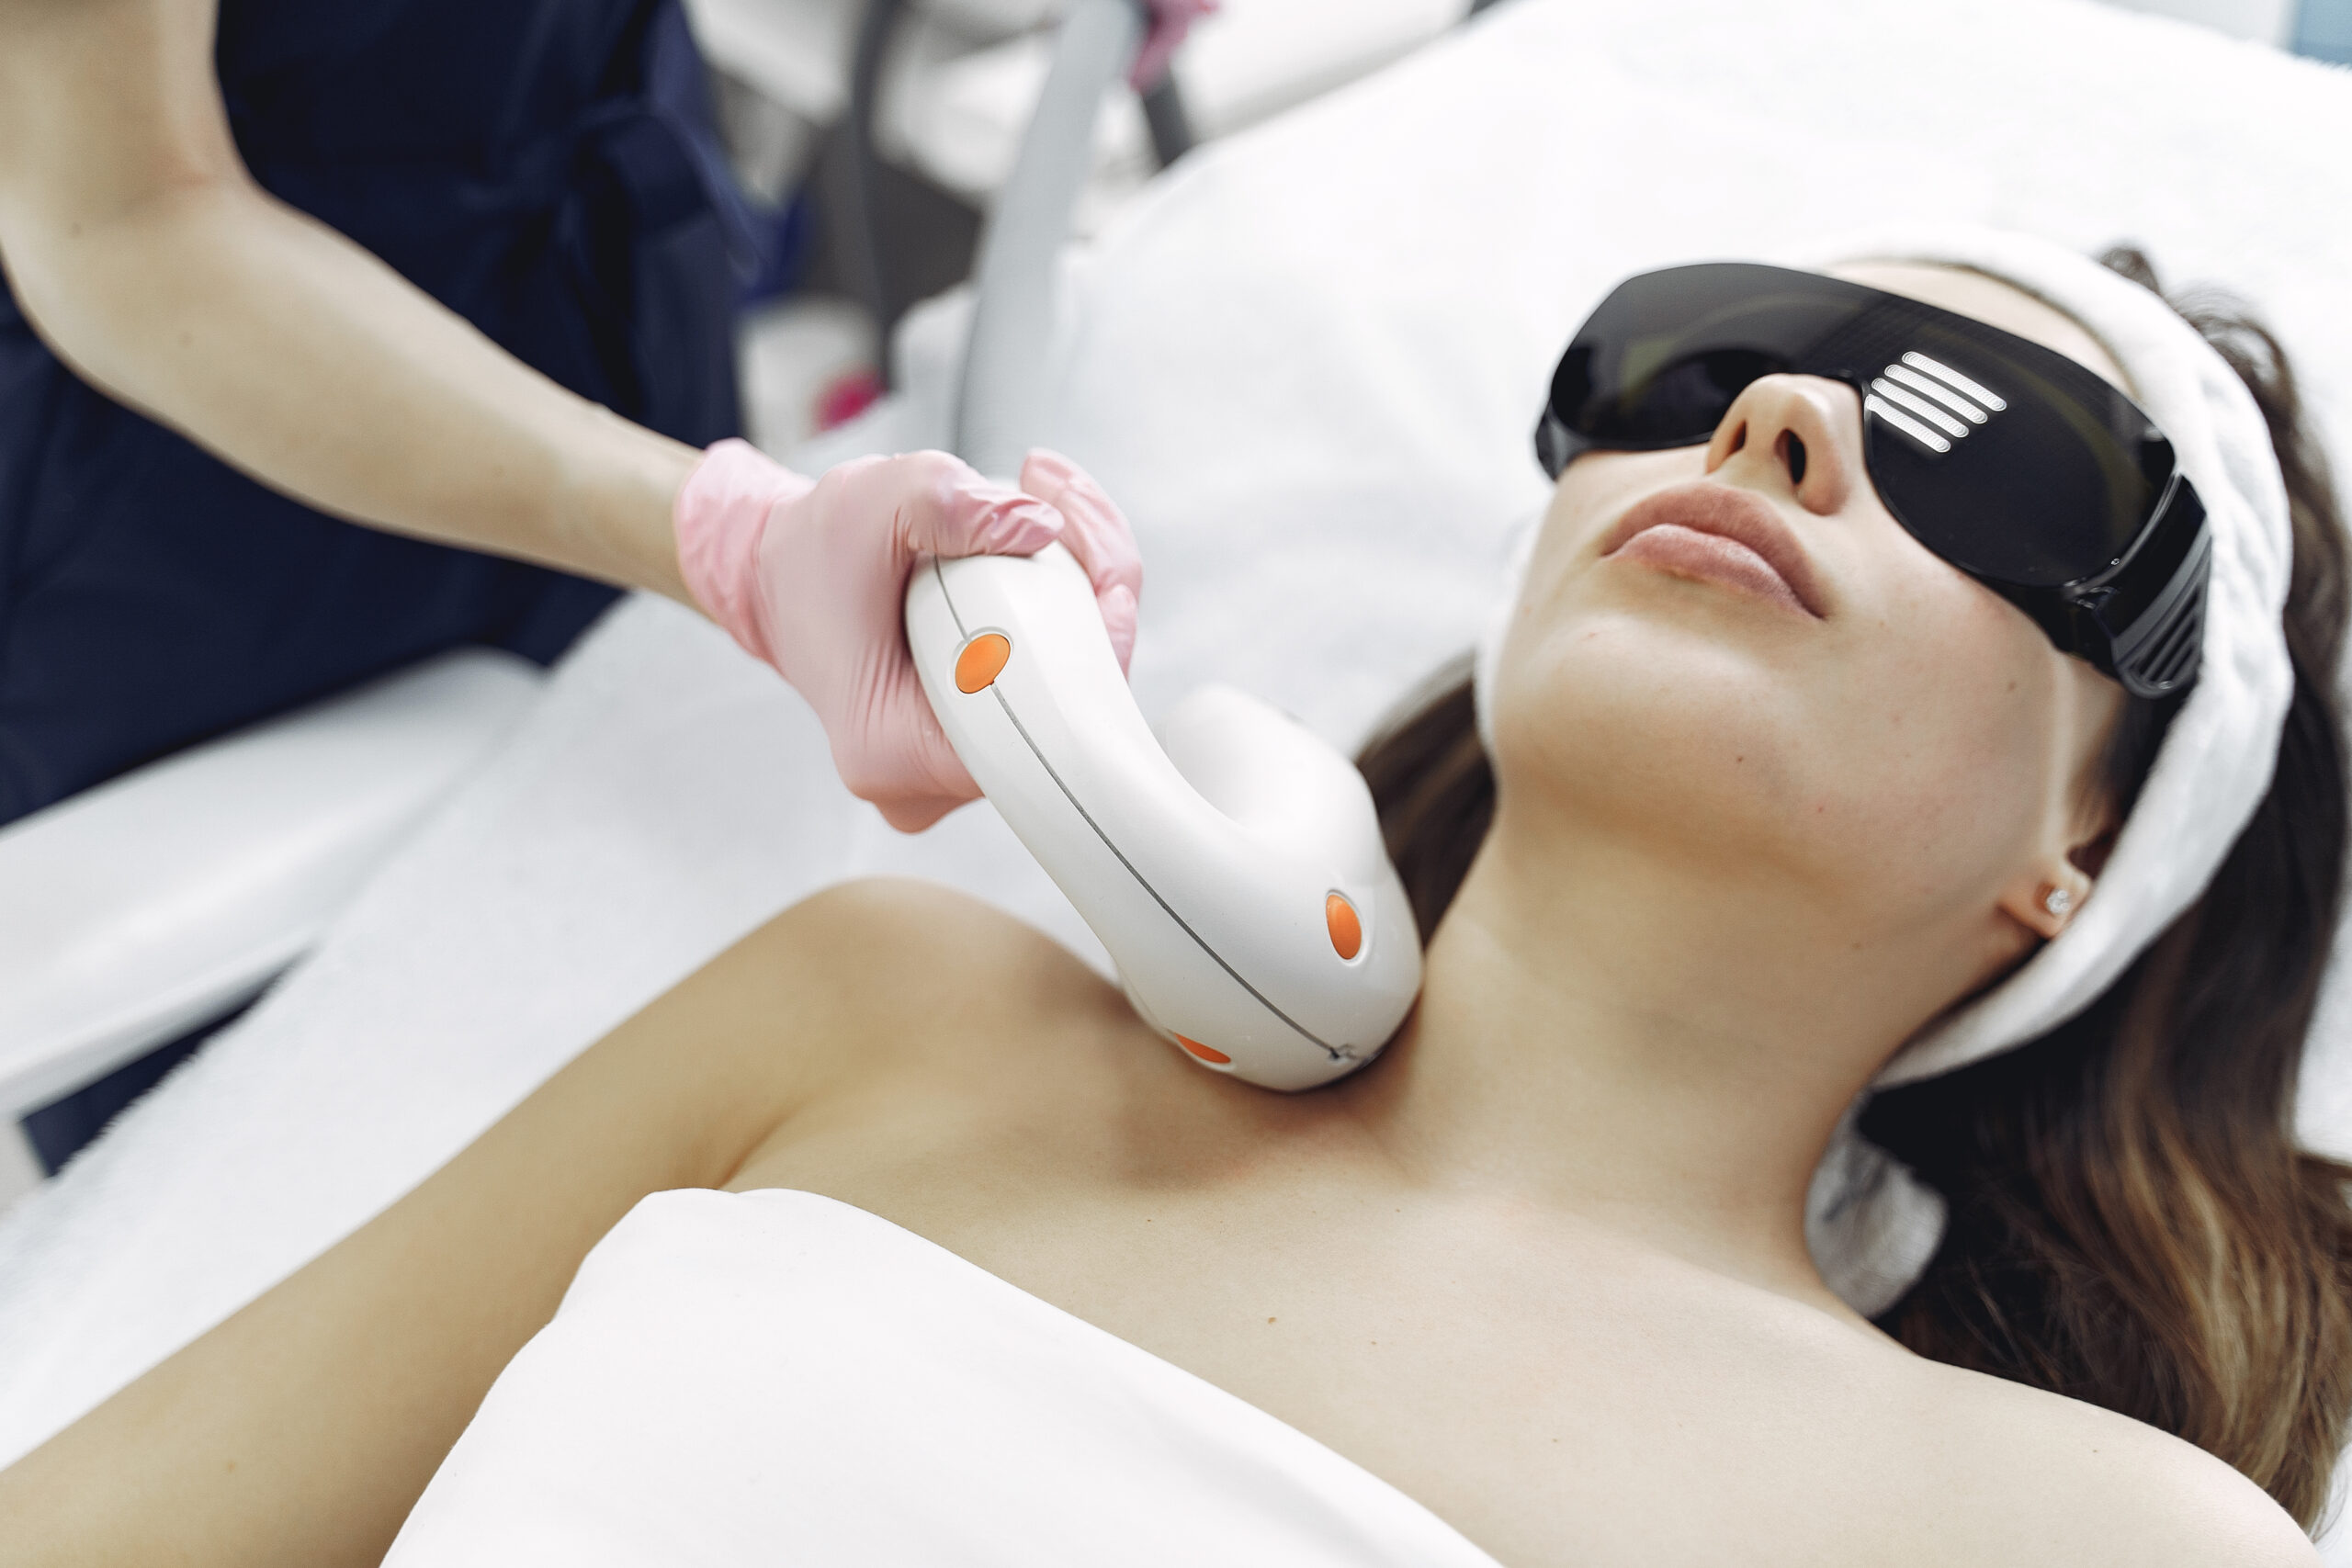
x,y
1236,876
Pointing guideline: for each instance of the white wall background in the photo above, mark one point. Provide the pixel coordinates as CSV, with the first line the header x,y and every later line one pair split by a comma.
x,y
2271,21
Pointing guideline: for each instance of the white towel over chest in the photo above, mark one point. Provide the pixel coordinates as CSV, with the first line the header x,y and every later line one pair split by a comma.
x,y
776,1377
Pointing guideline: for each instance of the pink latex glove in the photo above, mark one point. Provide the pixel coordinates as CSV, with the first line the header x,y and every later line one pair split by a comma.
x,y
810,575
1171,20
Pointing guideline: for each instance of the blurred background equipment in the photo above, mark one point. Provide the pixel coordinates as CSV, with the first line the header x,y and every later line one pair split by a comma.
x,y
873,134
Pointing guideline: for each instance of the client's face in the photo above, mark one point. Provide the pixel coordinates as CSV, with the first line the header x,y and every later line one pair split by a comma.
x,y
1824,700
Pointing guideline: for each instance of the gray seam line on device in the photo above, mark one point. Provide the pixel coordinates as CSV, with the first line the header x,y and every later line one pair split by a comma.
x,y
953,613
1337,1053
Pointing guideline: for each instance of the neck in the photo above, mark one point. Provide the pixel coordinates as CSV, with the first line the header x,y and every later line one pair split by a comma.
x,y
1662,1049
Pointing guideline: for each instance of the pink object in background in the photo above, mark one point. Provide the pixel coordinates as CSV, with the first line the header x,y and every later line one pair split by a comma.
x,y
1171,20
846,395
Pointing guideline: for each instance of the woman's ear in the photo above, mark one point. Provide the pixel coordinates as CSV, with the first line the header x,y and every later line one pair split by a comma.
x,y
2085,814
2090,856
2046,897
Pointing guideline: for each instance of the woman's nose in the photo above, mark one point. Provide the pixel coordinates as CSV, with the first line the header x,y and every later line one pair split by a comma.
x,y
1799,435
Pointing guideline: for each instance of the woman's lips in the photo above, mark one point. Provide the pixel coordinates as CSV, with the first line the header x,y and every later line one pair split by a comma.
x,y
1720,533
1686,552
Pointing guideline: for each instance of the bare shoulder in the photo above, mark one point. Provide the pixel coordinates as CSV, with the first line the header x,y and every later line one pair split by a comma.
x,y
930,938
887,978
936,948
2041,1478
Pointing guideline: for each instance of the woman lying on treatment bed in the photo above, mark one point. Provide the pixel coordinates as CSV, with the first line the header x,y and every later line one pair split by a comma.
x,y
1753,820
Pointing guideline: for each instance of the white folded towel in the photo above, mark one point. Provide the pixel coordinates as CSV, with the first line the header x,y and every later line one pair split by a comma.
x,y
777,1377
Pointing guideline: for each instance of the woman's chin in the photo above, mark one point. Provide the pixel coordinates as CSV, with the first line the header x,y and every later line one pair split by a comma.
x,y
1709,737
1703,744
1667,680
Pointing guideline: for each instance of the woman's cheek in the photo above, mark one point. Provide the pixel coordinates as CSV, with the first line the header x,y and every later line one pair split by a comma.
x,y
1958,712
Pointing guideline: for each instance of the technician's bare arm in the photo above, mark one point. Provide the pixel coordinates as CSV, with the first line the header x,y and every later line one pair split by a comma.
x,y
145,255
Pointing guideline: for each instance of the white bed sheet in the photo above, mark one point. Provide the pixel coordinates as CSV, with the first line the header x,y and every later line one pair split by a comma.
x,y
1308,363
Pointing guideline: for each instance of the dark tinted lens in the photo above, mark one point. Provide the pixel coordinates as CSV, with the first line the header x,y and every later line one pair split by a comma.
x,y
1661,360
1681,400
2009,460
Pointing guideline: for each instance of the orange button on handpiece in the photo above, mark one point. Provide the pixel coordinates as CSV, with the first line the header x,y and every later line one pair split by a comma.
x,y
1205,1053
981,659
1346,931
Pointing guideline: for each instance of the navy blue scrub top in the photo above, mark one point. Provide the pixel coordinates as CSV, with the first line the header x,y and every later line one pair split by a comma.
x,y
543,167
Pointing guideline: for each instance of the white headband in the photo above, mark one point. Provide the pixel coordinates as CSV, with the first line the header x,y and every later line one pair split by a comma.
x,y
1871,1226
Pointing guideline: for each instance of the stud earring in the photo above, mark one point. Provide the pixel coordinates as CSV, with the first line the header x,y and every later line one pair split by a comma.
x,y
2058,902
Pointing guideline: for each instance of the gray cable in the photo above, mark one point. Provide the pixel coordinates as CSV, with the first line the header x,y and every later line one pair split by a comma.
x,y
1012,312
862,171
1165,116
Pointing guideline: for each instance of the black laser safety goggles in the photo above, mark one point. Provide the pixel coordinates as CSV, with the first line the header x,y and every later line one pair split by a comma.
x,y
2019,466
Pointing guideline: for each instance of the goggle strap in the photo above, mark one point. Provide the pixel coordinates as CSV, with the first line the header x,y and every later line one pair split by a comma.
x,y
2158,654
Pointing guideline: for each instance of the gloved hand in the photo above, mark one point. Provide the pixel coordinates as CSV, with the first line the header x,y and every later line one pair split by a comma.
x,y
1171,20
810,575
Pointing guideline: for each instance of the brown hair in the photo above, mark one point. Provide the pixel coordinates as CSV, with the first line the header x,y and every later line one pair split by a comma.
x,y
2132,1223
